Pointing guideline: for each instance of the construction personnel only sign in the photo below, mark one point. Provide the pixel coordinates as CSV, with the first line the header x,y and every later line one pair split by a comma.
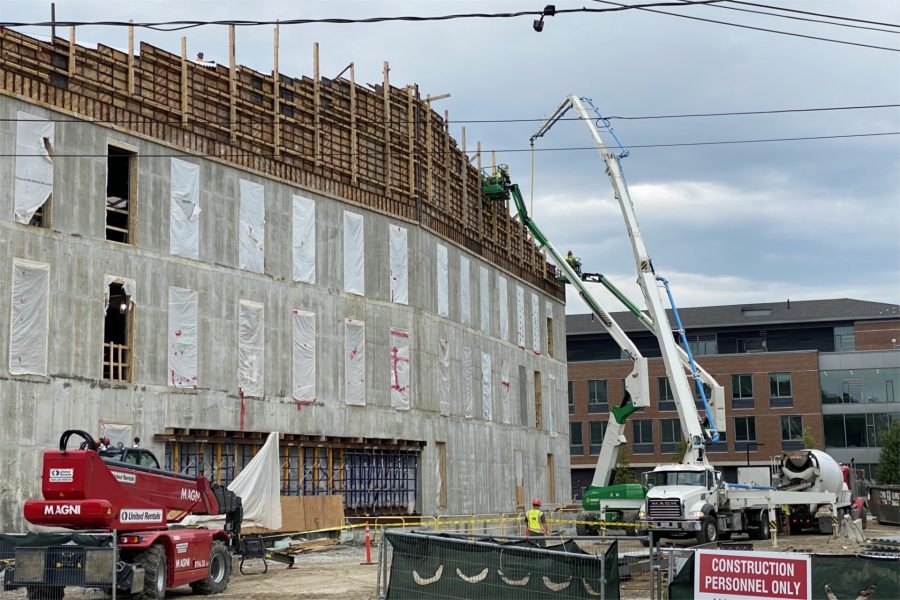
x,y
723,575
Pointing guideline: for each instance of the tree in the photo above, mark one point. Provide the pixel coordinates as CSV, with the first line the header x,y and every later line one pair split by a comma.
x,y
681,447
807,438
888,471
624,472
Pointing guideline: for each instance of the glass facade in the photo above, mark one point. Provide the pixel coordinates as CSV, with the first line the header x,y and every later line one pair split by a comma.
x,y
857,431
859,386
598,400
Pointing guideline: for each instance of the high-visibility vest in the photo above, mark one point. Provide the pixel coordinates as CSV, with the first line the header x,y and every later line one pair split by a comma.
x,y
534,520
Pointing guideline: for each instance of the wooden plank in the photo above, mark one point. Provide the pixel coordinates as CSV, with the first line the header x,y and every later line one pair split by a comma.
x,y
184,81
232,84
464,168
293,515
130,57
317,100
276,91
386,93
354,154
410,124
72,51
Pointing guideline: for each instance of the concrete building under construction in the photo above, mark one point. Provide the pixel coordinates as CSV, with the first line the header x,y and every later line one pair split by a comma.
x,y
196,254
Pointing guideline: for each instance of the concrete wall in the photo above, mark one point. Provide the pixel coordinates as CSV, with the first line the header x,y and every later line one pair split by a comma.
x,y
35,410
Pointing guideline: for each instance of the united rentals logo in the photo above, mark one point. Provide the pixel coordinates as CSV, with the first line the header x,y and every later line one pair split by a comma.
x,y
61,509
125,477
62,475
140,515
181,548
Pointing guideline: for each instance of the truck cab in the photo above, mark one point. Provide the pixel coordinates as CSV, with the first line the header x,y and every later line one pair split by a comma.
x,y
684,498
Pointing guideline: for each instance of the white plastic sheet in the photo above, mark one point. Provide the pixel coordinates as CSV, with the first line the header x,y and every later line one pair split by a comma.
x,y
504,390
468,384
34,164
354,254
535,324
465,291
182,338
399,265
484,291
551,406
184,209
304,355
504,308
354,362
29,318
128,286
487,395
444,374
252,227
117,433
251,348
443,282
399,371
304,239
520,316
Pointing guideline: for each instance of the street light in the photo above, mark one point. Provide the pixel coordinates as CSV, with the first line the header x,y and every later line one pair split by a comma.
x,y
756,446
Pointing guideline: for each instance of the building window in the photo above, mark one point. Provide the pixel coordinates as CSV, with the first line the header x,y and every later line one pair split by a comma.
x,y
117,330
857,431
643,436
551,480
750,345
669,434
744,433
598,400
780,395
756,312
571,397
442,474
844,339
121,183
698,400
703,345
598,430
721,445
550,351
576,439
791,432
538,402
858,386
666,398
741,391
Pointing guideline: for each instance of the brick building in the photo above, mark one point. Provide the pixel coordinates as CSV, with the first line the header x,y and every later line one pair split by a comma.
x,y
831,366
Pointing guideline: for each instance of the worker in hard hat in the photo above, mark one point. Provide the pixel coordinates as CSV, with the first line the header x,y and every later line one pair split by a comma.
x,y
536,522
573,262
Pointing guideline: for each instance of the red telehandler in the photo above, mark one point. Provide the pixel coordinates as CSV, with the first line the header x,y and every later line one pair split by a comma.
x,y
96,491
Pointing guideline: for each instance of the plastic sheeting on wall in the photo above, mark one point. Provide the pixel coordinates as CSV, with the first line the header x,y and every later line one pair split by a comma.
x,y
354,254
399,265
484,291
182,338
354,362
184,209
535,324
252,232
487,396
504,391
503,296
444,376
399,372
443,281
465,291
468,384
520,316
117,432
304,355
251,348
34,164
29,325
304,238
128,286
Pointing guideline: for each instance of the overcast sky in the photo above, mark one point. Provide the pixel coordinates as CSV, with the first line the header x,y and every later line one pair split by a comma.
x,y
725,224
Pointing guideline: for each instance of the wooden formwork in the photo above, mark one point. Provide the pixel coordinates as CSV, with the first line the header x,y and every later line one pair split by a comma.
x,y
380,146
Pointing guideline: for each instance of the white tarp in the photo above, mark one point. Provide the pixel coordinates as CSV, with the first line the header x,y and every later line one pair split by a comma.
x,y
354,254
443,282
551,406
487,396
117,433
252,232
399,372
304,363
444,375
29,324
484,291
184,209
251,348
535,324
34,164
504,308
399,265
520,316
182,338
304,238
468,384
128,286
504,390
354,362
465,291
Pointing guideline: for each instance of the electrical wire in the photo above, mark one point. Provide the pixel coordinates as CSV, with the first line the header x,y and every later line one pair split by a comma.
x,y
815,14
807,19
751,27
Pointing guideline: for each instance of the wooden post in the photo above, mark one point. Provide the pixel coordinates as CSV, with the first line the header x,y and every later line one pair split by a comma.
x,y
354,155
131,56
464,168
276,91
317,143
410,118
446,154
232,84
386,92
184,82
71,50
429,150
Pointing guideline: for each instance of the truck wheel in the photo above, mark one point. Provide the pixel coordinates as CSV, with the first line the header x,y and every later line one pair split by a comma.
x,y
219,571
581,529
35,592
631,517
153,560
709,531
764,532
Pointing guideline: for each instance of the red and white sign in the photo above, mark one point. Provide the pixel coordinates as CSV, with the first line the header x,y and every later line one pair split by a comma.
x,y
723,575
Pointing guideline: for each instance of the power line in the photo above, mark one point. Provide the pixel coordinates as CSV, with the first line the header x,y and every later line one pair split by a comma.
x,y
751,27
771,14
815,14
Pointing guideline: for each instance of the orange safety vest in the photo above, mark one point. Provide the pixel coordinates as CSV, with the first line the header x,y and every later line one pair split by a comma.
x,y
533,517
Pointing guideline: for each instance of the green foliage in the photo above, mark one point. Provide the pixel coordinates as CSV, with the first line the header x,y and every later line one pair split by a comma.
x,y
888,471
807,438
681,447
624,472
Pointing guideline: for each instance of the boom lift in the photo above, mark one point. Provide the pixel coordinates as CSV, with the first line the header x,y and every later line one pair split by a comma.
x,y
125,491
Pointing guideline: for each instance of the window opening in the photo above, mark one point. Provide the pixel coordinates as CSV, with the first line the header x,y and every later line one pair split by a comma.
x,y
598,431
551,480
550,337
576,441
117,335
538,402
120,184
